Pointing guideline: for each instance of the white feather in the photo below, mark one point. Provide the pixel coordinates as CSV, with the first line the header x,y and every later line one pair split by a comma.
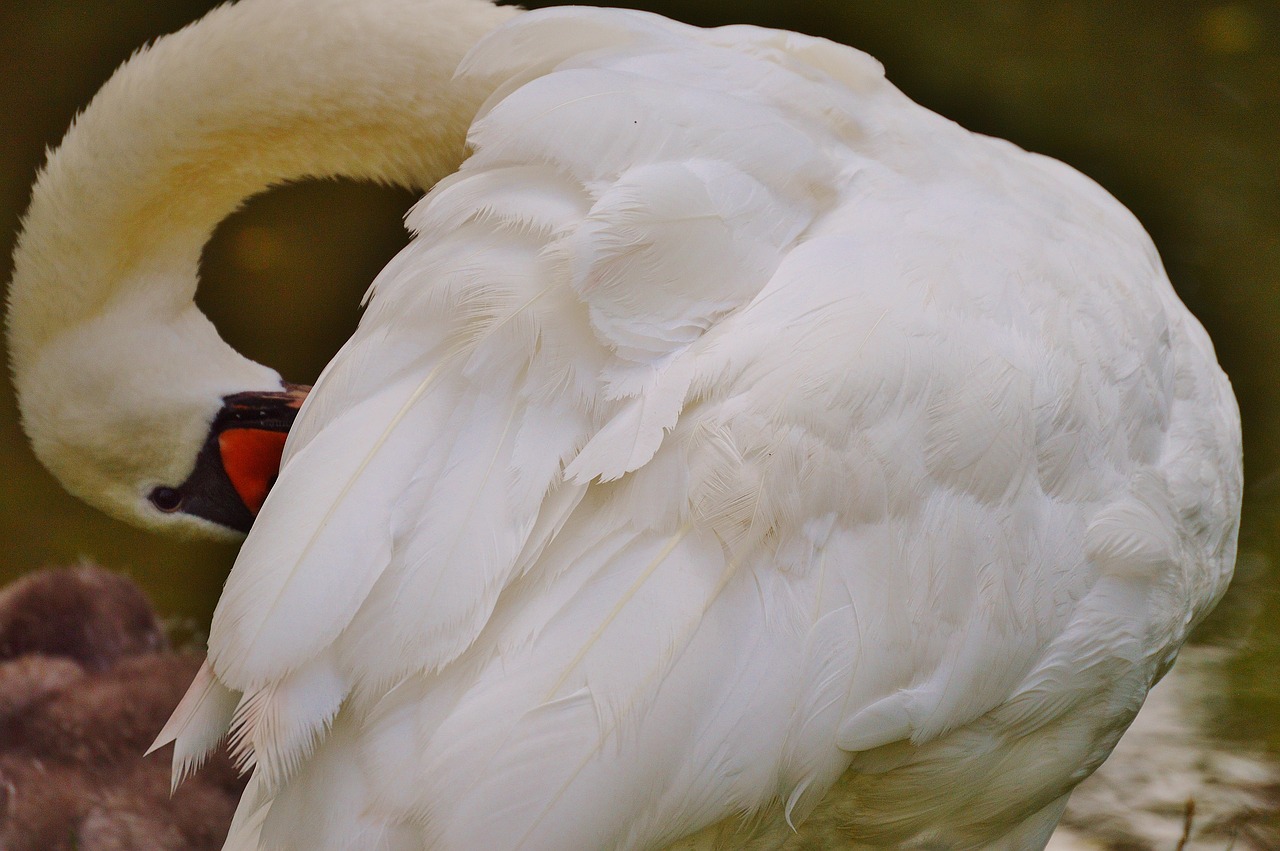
x,y
198,724
736,441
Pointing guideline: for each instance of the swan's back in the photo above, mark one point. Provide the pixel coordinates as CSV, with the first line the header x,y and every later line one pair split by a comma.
x,y
733,429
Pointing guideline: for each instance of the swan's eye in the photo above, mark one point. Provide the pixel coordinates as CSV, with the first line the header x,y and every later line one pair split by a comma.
x,y
166,499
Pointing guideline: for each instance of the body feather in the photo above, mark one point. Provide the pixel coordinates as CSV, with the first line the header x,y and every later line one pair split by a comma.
x,y
736,440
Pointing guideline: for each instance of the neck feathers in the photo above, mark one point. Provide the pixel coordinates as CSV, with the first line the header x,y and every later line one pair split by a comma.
x,y
254,94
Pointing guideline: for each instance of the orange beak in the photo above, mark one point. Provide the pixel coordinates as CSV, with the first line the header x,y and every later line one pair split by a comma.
x,y
239,461
251,457
251,452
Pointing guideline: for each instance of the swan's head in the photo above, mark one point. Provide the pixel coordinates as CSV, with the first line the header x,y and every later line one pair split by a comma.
x,y
128,395
147,414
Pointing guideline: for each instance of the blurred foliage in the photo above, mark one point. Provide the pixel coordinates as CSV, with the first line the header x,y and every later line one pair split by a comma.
x,y
1174,107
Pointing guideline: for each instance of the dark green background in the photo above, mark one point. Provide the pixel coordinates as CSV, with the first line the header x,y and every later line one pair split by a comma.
x,y
1173,106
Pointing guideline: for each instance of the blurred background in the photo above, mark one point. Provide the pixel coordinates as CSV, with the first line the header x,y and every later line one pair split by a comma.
x,y
1173,107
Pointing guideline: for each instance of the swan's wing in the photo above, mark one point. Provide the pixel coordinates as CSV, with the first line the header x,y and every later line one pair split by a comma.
x,y
708,438
507,344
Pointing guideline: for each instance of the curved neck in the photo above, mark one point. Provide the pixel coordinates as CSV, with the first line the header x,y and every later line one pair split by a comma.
x,y
252,95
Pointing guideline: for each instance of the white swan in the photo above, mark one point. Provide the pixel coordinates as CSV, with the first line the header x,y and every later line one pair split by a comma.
x,y
737,441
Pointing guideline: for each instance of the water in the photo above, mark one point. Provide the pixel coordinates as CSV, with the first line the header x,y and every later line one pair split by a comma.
x,y
1174,107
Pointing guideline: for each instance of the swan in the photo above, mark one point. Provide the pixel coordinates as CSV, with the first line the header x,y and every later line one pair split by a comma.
x,y
737,444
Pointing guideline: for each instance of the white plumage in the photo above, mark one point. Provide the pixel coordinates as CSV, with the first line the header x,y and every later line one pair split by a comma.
x,y
735,439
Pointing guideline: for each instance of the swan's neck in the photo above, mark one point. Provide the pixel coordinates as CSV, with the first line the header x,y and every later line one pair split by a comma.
x,y
252,95
117,373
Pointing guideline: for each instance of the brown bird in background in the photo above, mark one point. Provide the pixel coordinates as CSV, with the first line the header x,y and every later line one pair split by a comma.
x,y
87,680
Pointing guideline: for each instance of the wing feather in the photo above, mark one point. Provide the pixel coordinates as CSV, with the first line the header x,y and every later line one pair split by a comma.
x,y
706,442
198,724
